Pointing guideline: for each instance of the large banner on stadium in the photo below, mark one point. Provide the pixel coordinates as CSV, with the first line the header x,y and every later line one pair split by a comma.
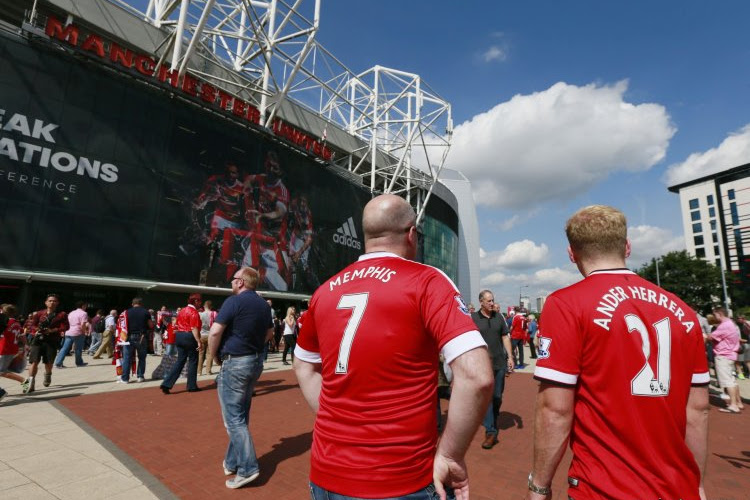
x,y
102,175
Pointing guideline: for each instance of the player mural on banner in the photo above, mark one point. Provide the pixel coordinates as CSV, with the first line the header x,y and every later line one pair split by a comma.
x,y
242,219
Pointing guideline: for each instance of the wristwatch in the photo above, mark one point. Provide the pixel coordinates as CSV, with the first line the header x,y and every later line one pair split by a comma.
x,y
542,490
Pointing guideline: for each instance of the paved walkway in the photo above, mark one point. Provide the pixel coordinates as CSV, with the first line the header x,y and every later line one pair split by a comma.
x,y
87,437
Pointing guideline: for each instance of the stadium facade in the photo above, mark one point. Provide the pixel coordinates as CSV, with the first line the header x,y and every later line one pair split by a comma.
x,y
136,161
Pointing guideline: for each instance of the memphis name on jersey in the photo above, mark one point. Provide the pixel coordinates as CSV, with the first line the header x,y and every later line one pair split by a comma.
x,y
615,296
383,274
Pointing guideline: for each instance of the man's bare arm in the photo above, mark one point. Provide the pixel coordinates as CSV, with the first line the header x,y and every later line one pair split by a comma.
x,y
552,423
214,339
310,380
696,433
470,394
509,350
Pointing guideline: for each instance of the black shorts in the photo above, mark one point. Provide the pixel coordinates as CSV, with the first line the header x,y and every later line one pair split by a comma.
x,y
44,351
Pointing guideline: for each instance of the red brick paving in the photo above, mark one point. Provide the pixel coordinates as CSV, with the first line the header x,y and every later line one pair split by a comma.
x,y
181,441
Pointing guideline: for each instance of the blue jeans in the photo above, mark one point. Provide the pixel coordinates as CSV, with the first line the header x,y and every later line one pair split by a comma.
x,y
235,384
77,343
170,350
139,344
518,344
96,341
427,493
187,351
497,400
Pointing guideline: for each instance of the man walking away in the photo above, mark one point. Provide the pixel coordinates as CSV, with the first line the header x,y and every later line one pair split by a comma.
x,y
236,341
367,361
623,377
139,323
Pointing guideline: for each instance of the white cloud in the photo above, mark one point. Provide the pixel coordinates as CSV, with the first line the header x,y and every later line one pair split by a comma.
x,y
494,53
517,255
540,283
556,144
732,152
648,242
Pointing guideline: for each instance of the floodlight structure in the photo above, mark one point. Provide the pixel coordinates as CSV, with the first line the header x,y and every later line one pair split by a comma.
x,y
266,53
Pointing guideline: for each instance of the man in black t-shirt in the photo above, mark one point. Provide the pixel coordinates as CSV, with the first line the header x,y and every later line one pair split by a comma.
x,y
139,324
236,340
494,330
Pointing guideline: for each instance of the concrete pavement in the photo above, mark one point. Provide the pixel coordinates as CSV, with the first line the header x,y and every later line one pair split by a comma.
x,y
76,439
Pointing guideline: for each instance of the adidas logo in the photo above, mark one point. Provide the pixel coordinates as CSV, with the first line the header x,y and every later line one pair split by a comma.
x,y
346,235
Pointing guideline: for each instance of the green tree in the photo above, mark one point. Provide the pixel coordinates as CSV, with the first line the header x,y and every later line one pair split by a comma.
x,y
693,280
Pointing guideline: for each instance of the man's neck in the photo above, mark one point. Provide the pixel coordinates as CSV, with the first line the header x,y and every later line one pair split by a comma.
x,y
486,314
50,311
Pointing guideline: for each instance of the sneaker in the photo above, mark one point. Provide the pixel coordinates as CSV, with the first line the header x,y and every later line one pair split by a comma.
x,y
239,481
227,472
741,376
82,364
141,379
724,396
47,379
29,388
25,386
120,380
4,393
59,366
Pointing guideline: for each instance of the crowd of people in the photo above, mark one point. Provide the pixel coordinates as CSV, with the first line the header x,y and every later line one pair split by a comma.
x,y
50,335
623,368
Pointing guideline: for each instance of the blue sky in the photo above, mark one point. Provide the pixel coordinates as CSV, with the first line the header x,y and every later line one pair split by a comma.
x,y
558,105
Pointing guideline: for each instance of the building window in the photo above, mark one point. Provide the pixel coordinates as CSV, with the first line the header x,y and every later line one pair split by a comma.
x,y
715,237
713,225
693,203
700,253
730,194
697,227
711,212
710,199
695,215
716,250
698,240
735,215
718,262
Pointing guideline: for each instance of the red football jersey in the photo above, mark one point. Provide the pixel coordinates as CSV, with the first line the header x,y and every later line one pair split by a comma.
x,y
518,327
378,327
632,350
188,318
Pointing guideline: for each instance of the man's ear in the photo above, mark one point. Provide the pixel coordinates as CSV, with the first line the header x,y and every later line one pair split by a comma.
x,y
627,248
571,256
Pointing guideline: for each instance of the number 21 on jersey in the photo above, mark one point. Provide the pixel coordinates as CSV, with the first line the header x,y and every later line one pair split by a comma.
x,y
645,383
357,302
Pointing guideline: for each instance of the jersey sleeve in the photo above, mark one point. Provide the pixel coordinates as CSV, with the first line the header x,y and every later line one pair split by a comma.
x,y
560,344
195,320
443,310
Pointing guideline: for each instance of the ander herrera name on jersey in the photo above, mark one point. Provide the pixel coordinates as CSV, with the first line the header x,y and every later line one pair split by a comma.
x,y
383,274
615,296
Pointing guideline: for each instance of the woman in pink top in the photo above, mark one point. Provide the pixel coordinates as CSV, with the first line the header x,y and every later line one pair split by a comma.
x,y
726,339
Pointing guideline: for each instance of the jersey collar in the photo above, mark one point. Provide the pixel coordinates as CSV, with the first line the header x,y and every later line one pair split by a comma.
x,y
377,255
622,270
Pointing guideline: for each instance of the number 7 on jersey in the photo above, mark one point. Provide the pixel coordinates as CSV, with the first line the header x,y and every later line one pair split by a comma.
x,y
357,302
